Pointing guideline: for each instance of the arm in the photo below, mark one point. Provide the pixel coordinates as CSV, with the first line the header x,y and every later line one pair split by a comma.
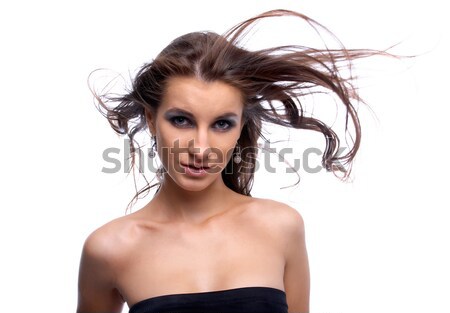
x,y
96,288
296,273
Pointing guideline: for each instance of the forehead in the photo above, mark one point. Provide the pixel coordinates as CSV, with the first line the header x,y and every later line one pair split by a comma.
x,y
200,97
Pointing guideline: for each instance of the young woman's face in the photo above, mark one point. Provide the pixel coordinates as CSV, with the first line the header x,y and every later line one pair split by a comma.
x,y
197,126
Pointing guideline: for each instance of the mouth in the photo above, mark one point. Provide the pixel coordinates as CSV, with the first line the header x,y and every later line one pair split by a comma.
x,y
195,169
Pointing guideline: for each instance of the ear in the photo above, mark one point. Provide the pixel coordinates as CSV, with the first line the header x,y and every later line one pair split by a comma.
x,y
150,117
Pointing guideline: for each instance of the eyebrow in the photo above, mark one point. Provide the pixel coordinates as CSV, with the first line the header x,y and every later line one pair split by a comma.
x,y
173,111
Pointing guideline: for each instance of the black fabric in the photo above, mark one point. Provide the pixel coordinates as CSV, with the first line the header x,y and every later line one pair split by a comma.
x,y
242,300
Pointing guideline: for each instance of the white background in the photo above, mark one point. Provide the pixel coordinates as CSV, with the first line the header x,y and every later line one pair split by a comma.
x,y
378,244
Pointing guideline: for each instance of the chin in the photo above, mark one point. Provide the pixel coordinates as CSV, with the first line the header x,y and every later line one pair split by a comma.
x,y
193,184
194,187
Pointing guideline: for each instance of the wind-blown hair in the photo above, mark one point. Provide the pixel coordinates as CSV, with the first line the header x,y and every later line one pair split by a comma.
x,y
266,79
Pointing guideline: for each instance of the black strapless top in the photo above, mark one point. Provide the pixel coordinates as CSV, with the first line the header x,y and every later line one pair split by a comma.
x,y
242,300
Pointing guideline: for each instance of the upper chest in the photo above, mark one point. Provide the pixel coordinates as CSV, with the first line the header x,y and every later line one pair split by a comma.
x,y
226,253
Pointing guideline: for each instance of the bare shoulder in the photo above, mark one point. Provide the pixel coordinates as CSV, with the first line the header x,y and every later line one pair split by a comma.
x,y
103,253
281,215
277,221
110,241
286,225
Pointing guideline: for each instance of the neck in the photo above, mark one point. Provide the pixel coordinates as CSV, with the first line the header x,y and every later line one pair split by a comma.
x,y
180,205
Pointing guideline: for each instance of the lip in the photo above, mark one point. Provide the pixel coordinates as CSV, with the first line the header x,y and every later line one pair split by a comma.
x,y
195,170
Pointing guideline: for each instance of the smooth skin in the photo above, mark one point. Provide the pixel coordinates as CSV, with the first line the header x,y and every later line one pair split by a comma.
x,y
195,235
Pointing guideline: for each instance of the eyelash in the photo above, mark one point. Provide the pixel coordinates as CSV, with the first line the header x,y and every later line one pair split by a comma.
x,y
186,123
176,121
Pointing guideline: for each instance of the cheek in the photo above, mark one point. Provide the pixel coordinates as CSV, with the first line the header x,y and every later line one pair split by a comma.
x,y
165,143
223,148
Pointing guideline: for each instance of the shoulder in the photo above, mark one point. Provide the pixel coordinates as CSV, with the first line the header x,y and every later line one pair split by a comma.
x,y
101,260
278,213
108,243
282,221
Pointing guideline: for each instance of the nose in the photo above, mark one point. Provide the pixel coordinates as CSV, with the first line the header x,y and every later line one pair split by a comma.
x,y
199,146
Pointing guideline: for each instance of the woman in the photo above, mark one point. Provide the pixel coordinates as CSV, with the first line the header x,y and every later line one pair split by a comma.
x,y
203,244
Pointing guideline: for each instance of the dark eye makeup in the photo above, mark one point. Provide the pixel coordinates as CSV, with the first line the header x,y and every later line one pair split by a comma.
x,y
224,124
181,120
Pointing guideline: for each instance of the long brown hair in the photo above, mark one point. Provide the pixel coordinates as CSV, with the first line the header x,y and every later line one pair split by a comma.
x,y
282,74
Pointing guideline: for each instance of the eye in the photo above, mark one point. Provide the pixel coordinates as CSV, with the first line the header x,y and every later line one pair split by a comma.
x,y
223,124
180,121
